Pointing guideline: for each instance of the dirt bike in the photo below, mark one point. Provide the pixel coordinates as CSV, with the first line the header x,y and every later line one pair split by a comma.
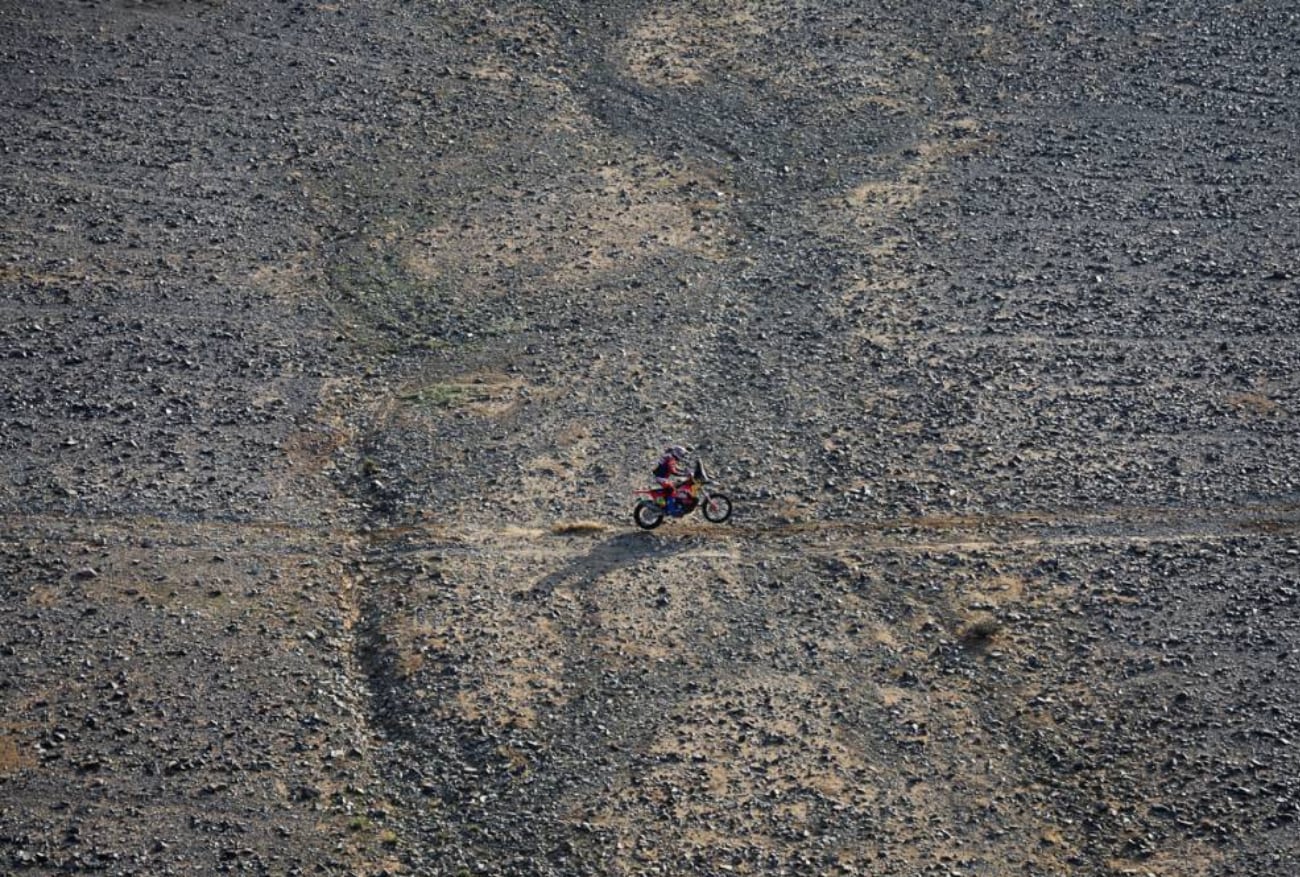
x,y
658,503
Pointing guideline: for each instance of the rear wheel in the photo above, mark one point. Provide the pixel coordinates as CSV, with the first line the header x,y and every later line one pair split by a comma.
x,y
647,515
717,507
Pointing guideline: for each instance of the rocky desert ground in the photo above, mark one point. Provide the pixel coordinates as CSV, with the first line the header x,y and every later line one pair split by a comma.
x,y
336,337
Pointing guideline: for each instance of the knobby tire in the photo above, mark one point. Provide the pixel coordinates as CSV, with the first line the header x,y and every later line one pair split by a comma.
x,y
647,515
717,508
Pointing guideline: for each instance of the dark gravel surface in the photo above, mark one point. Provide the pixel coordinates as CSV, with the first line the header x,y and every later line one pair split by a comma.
x,y
336,337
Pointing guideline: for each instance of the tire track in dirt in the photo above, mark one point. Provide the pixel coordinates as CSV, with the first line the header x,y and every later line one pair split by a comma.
x,y
925,533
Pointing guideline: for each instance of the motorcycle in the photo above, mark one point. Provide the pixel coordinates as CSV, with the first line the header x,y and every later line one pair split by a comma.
x,y
658,503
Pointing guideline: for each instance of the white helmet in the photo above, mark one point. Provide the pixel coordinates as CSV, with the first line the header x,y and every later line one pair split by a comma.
x,y
678,452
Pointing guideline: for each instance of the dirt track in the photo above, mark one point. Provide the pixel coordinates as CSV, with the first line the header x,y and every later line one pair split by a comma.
x,y
337,336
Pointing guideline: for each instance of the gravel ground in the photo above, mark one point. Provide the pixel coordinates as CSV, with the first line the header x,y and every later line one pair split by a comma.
x,y
337,337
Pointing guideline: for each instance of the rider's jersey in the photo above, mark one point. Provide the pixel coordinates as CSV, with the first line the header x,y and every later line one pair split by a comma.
x,y
667,467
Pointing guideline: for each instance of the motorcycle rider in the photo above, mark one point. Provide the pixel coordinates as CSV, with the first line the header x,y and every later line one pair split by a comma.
x,y
669,471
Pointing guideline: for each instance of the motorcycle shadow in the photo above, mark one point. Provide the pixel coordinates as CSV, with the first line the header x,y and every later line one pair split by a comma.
x,y
606,556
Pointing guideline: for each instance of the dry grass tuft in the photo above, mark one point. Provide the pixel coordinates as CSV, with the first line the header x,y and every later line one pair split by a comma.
x,y
1255,403
11,759
979,632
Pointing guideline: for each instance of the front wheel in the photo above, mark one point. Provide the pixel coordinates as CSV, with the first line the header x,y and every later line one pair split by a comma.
x,y
647,515
717,508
